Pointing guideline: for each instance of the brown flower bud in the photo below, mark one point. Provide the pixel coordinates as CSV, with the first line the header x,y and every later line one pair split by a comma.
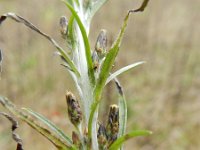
x,y
74,110
112,127
95,60
101,44
63,26
101,136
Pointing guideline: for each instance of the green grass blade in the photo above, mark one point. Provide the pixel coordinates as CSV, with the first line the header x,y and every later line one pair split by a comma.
x,y
86,43
59,144
105,70
49,124
123,70
116,145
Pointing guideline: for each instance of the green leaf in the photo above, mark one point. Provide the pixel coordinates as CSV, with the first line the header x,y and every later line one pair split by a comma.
x,y
77,2
122,116
61,145
50,125
122,70
128,136
71,31
71,2
122,109
70,26
93,7
105,70
109,60
86,43
69,62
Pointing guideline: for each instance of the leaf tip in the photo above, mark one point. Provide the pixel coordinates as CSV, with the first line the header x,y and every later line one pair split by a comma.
x,y
2,18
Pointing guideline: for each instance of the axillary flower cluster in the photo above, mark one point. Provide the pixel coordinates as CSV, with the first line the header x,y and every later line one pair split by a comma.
x,y
106,134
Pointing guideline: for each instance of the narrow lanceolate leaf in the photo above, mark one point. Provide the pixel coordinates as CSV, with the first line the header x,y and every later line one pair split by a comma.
x,y
15,136
117,144
123,70
106,67
71,32
53,127
70,26
93,7
122,109
58,143
86,43
20,19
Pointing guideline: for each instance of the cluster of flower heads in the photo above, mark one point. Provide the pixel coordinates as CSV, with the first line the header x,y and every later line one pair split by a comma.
x,y
107,134
100,51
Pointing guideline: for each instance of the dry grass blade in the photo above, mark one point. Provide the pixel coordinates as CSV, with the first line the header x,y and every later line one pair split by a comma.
x,y
15,136
20,19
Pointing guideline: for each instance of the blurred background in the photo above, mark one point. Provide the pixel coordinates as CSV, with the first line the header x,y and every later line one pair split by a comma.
x,y
162,95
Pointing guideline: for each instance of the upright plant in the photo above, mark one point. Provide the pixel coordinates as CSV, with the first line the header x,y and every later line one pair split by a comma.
x,y
91,71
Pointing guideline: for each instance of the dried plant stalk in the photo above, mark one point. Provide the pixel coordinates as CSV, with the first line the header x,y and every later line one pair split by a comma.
x,y
15,136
